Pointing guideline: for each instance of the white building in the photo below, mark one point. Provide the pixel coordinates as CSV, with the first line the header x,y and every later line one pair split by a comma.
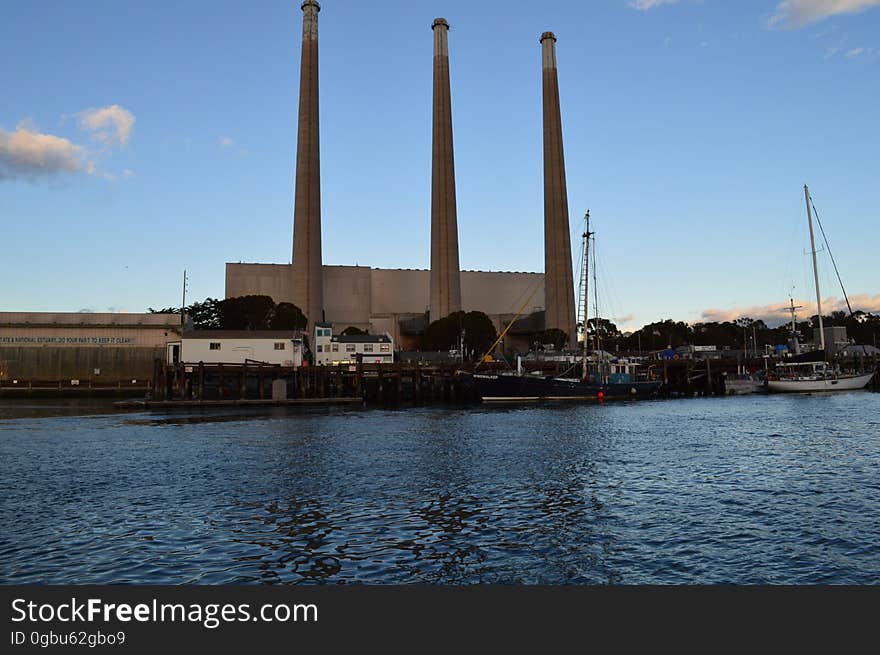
x,y
344,348
278,347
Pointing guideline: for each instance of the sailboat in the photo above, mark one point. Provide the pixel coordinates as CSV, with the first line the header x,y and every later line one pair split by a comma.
x,y
522,387
811,372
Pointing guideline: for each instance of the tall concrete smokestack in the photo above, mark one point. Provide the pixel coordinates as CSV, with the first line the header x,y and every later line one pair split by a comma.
x,y
558,281
445,273
308,285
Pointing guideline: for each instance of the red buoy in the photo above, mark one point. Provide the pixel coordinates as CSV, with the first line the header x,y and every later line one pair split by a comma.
x,y
600,395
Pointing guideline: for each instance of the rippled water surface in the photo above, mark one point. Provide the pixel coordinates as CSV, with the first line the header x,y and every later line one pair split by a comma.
x,y
778,489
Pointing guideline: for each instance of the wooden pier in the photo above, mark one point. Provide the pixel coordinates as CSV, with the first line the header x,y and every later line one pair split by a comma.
x,y
258,384
251,384
401,383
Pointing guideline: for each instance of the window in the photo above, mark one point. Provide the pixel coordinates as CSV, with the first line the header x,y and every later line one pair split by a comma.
x,y
320,348
336,347
279,345
214,345
325,332
368,347
349,347
385,347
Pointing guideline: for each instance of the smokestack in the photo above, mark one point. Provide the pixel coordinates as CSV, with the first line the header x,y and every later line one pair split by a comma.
x,y
558,280
445,272
308,286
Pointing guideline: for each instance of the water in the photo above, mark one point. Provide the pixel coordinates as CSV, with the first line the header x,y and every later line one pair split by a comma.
x,y
779,489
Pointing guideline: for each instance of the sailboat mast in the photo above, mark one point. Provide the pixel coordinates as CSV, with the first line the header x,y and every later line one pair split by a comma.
x,y
586,294
815,269
600,361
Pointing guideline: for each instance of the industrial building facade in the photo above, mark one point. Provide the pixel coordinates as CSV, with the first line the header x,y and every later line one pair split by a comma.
x,y
101,348
381,300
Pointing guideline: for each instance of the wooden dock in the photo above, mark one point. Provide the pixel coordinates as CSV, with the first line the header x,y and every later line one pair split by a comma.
x,y
205,404
251,384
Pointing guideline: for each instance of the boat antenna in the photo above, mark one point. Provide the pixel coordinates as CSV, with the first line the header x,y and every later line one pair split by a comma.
x,y
834,263
793,311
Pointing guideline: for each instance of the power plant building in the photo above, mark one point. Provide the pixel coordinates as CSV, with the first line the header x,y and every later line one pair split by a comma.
x,y
395,301
402,302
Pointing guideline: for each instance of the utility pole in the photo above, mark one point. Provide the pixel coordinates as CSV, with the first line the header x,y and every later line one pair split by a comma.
x,y
183,303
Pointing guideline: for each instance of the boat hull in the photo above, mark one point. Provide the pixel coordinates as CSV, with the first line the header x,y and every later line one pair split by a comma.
x,y
514,388
843,383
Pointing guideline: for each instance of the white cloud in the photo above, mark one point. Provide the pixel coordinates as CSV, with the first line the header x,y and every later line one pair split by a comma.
x,y
777,313
797,13
226,141
855,52
29,153
127,173
111,125
645,5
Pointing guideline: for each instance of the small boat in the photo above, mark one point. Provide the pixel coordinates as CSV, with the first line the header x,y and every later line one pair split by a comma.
x,y
738,385
520,387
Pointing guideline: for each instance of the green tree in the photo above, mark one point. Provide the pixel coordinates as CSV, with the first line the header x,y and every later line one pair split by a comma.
x,y
353,330
477,328
553,336
479,333
246,313
287,316
205,315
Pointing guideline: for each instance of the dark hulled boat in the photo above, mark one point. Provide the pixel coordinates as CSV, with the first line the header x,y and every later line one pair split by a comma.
x,y
518,388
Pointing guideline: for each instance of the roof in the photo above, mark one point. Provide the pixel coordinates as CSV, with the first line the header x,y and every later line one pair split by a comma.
x,y
241,334
79,319
362,338
859,349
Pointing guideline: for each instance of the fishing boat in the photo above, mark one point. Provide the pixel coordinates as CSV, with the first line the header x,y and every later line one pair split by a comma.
x,y
600,385
811,372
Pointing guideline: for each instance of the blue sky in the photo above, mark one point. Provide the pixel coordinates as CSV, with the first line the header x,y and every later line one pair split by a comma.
x,y
141,139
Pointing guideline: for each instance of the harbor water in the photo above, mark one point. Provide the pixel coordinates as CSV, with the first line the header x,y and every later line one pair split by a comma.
x,y
750,490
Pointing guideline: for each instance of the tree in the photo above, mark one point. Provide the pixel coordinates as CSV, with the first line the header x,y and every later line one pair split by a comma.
x,y
205,315
553,336
445,333
246,313
287,316
353,330
838,318
479,333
